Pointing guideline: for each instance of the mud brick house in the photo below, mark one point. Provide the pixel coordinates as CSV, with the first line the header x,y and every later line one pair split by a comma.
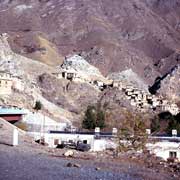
x,y
6,83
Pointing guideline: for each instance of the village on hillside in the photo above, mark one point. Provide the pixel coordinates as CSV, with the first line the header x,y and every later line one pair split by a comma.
x,y
47,131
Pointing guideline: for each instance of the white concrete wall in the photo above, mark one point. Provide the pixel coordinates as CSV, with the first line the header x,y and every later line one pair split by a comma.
x,y
17,84
5,87
38,119
96,144
162,149
49,138
103,144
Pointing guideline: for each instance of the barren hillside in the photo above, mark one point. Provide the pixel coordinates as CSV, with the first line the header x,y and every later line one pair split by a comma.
x,y
143,35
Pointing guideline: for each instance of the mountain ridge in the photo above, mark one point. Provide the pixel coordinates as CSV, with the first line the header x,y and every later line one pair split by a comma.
x,y
113,36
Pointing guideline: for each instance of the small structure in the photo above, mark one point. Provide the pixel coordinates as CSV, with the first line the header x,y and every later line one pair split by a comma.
x,y
15,137
148,132
97,141
12,114
115,84
58,74
166,150
17,83
174,133
99,84
172,108
9,82
166,147
5,83
69,74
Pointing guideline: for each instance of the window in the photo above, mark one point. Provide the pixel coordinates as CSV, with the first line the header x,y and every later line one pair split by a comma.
x,y
63,74
6,84
56,141
70,141
84,141
70,76
173,154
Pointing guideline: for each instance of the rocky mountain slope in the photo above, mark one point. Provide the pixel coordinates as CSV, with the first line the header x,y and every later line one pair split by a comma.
x,y
28,71
132,41
63,100
143,35
170,86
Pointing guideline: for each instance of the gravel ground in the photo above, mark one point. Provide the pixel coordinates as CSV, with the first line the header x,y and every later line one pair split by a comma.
x,y
18,165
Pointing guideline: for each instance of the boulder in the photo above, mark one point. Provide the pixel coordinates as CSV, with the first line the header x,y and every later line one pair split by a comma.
x,y
77,165
69,153
97,168
69,164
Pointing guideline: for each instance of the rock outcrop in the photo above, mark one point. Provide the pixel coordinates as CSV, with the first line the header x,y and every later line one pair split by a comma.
x,y
170,86
129,77
80,65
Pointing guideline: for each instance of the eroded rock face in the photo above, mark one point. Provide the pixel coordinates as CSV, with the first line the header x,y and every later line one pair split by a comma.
x,y
129,77
170,86
5,53
80,65
112,35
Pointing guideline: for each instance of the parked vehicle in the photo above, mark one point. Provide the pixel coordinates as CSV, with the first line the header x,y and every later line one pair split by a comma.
x,y
83,147
80,146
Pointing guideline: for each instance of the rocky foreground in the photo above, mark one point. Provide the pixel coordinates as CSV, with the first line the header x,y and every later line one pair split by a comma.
x,y
29,161
22,163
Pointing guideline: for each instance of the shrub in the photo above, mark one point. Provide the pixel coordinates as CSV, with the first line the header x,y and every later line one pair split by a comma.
x,y
173,124
100,119
155,124
94,117
38,106
132,134
89,121
169,122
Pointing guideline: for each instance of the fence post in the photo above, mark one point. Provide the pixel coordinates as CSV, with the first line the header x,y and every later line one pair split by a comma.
x,y
15,137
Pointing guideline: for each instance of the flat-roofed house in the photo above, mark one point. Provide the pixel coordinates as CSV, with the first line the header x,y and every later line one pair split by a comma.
x,y
6,83
98,141
17,83
165,146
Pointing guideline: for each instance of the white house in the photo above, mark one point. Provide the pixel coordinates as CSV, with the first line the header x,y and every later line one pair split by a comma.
x,y
17,83
98,141
166,147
